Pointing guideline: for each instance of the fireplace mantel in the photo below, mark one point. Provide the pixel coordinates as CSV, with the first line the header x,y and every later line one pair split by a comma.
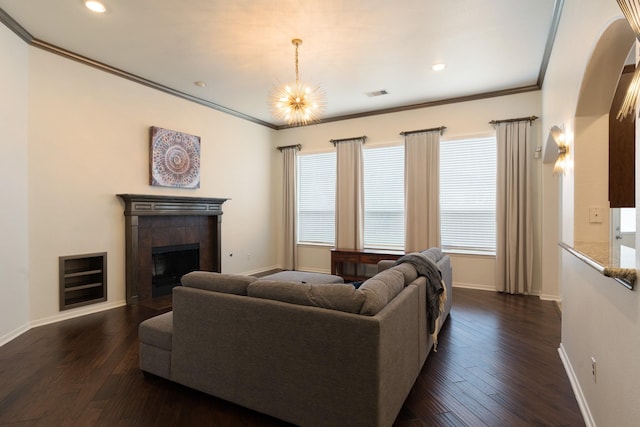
x,y
140,204
174,208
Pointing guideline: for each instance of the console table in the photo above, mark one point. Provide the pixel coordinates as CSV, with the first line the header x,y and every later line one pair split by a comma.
x,y
340,257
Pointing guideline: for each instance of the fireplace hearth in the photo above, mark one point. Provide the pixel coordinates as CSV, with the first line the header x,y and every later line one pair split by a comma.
x,y
163,222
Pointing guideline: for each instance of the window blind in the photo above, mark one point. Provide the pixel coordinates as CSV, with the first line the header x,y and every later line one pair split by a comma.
x,y
468,195
384,197
316,198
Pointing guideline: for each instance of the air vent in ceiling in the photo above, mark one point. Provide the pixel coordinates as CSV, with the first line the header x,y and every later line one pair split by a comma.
x,y
376,93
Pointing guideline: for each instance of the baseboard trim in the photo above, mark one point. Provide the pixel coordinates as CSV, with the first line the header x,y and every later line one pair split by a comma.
x,y
544,297
260,270
77,313
59,318
14,334
315,270
575,385
473,286
548,297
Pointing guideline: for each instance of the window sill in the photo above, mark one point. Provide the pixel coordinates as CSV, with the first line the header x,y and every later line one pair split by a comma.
x,y
470,253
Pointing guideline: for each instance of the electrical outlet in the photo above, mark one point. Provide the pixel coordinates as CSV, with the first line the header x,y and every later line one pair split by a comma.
x,y
595,215
593,368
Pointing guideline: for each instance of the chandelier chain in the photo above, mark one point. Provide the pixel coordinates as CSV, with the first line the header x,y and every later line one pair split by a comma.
x,y
297,76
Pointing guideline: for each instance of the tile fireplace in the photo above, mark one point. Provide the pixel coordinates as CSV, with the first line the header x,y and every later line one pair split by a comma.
x,y
157,225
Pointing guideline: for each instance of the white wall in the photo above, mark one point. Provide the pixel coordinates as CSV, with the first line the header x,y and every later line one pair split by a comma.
x,y
600,318
89,140
468,119
14,276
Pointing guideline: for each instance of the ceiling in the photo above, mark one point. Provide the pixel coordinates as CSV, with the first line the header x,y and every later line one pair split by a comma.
x,y
242,48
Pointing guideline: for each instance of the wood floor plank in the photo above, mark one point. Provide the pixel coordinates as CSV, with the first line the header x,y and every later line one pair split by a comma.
x,y
497,365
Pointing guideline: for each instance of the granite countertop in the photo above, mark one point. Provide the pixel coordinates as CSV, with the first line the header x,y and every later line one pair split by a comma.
x,y
616,264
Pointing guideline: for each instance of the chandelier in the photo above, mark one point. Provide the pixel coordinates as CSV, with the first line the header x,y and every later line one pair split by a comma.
x,y
631,11
297,103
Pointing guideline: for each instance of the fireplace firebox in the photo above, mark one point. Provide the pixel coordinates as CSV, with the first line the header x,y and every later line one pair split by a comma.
x,y
169,264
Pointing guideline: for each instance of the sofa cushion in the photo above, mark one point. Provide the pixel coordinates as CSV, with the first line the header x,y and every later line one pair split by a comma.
x,y
380,289
334,296
218,282
157,331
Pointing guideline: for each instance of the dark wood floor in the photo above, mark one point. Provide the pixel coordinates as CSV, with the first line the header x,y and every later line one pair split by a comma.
x,y
497,365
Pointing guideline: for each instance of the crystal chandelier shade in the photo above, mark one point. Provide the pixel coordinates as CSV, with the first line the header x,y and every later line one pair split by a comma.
x,y
297,103
631,11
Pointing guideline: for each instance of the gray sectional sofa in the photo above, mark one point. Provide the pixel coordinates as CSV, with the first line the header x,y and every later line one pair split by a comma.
x,y
309,354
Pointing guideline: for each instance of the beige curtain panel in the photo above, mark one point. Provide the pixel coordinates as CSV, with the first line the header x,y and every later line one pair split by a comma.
x,y
290,247
422,190
349,194
514,233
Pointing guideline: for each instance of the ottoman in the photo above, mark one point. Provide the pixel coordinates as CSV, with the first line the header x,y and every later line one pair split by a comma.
x,y
155,344
303,277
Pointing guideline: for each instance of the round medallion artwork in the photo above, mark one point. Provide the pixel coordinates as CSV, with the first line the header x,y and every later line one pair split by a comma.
x,y
175,159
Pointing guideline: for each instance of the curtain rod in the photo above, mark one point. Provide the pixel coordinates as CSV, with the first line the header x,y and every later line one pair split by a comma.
x,y
529,119
282,147
335,141
409,132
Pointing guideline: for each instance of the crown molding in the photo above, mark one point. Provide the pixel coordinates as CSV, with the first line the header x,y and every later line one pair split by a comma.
x,y
13,25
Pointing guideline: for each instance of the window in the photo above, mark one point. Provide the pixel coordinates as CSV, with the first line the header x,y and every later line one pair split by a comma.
x,y
468,195
384,197
628,220
316,198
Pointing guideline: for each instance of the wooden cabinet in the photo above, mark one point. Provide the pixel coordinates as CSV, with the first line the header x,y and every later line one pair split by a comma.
x,y
341,257
83,279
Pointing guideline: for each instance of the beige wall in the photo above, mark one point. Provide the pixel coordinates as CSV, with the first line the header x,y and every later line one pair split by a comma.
x,y
591,175
468,119
600,318
14,276
88,141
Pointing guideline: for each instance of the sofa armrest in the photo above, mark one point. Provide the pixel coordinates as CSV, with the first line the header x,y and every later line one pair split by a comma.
x,y
385,264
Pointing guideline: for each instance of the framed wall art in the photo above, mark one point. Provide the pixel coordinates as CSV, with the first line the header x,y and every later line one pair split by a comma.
x,y
175,159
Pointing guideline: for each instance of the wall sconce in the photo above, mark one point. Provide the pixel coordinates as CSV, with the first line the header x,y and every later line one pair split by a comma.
x,y
556,150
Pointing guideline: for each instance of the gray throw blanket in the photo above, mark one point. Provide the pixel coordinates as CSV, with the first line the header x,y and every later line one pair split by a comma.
x,y
427,268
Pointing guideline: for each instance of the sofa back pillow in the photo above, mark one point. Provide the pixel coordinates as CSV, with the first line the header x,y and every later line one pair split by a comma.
x,y
408,271
217,282
380,289
334,296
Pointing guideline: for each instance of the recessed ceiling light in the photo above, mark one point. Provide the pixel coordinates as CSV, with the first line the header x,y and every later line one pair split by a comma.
x,y
438,67
200,84
95,6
